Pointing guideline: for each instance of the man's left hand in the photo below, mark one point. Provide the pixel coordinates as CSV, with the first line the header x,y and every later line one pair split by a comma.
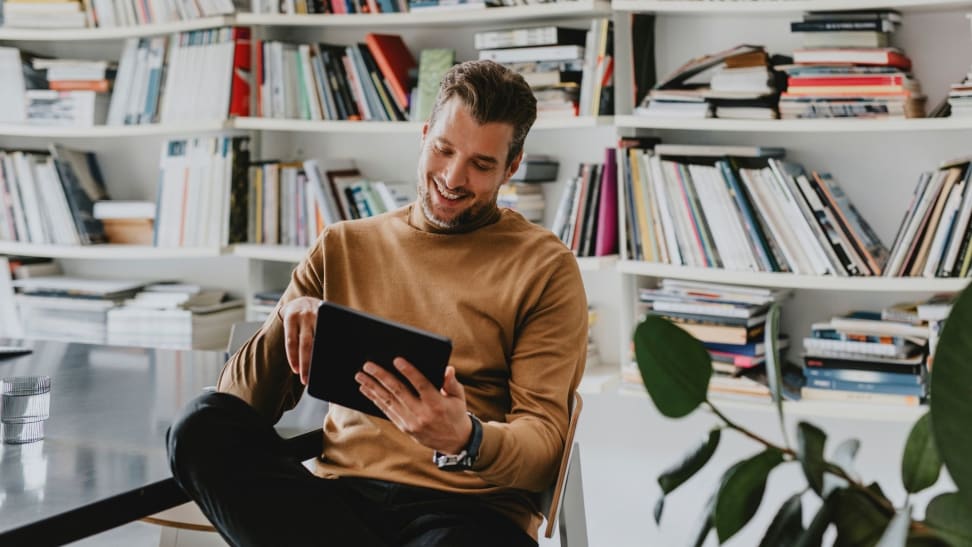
x,y
435,418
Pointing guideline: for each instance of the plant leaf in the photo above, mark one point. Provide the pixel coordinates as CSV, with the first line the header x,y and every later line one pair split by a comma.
x,y
843,457
708,520
741,492
770,340
659,507
810,448
896,534
695,459
948,516
675,367
920,464
787,525
951,406
859,521
813,537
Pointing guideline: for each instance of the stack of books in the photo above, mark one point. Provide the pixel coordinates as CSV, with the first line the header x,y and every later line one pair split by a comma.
x,y
848,70
171,315
587,214
127,222
124,13
67,308
569,69
536,168
364,81
526,199
742,208
159,78
862,357
735,83
933,238
731,322
50,197
43,14
66,92
263,303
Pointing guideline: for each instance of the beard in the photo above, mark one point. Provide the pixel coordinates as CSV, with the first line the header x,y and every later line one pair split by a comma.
x,y
471,215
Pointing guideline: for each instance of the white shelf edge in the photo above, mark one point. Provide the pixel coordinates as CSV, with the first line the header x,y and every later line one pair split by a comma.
x,y
796,126
328,126
808,409
106,252
271,253
794,281
597,263
456,17
112,131
781,6
578,122
115,33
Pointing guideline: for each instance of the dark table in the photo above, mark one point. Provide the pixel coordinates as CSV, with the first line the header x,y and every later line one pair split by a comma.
x,y
102,462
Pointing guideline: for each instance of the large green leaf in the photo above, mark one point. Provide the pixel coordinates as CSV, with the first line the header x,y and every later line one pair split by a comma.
x,y
787,525
949,516
810,448
706,523
813,537
741,492
675,367
860,522
920,464
951,400
896,534
684,469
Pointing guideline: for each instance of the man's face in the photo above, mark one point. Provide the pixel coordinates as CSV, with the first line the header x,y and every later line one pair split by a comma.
x,y
462,166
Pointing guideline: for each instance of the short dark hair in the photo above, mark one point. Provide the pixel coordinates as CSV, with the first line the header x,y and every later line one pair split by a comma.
x,y
493,93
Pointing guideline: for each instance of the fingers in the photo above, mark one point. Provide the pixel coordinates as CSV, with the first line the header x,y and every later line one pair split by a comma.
x,y
414,377
305,351
300,321
385,404
451,386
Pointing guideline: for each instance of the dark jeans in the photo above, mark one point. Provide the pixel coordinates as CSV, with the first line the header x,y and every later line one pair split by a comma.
x,y
228,459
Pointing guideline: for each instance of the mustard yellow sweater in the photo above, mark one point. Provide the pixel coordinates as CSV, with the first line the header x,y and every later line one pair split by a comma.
x,y
509,295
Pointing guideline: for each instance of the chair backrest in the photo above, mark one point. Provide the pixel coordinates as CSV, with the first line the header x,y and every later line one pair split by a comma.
x,y
241,332
553,500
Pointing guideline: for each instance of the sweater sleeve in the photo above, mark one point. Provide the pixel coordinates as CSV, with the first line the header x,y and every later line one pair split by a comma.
x,y
259,373
547,363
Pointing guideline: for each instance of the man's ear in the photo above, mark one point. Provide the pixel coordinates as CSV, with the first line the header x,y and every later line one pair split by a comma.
x,y
514,165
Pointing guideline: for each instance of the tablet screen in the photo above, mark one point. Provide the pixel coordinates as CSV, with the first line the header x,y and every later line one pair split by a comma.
x,y
346,338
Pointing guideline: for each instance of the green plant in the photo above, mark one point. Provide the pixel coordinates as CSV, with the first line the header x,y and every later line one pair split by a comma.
x,y
676,369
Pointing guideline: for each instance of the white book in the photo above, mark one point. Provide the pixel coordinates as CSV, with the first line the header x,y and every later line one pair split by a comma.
x,y
310,90
654,210
927,199
168,103
740,237
139,91
752,179
13,186
530,54
961,228
816,345
805,231
787,215
664,209
712,217
28,192
942,231
123,83
321,193
590,62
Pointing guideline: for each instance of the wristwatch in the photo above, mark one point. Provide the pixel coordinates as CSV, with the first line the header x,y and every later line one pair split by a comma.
x,y
465,459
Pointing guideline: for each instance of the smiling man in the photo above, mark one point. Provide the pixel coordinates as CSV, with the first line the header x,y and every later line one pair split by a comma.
x,y
456,466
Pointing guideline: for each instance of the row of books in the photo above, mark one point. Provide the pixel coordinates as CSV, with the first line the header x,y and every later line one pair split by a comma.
x,y
367,81
106,13
848,69
569,69
58,92
586,217
708,206
169,315
731,322
343,7
867,356
46,197
933,238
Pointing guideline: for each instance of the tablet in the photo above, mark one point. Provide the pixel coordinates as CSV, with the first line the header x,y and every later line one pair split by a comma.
x,y
346,338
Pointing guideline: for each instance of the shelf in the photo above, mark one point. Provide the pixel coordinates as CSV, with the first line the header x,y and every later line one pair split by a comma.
x,y
795,281
597,263
797,126
558,10
272,253
66,35
111,131
106,252
342,126
781,6
806,409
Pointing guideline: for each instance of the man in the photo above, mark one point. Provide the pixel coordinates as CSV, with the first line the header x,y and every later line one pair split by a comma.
x,y
454,466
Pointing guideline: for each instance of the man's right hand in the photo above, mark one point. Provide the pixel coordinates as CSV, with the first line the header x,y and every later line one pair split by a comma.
x,y
299,318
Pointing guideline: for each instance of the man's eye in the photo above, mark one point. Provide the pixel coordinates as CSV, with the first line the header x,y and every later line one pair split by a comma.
x,y
443,151
481,166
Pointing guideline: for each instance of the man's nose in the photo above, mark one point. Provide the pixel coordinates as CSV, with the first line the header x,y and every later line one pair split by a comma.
x,y
455,175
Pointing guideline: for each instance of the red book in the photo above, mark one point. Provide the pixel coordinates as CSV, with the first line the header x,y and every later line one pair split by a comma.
x,y
800,81
240,90
99,86
394,60
852,56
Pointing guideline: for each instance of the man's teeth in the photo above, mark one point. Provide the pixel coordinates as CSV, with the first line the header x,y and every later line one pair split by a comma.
x,y
447,194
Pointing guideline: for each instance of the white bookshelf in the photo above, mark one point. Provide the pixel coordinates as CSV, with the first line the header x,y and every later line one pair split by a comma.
x,y
112,131
107,252
270,253
757,7
794,281
559,10
798,126
343,126
115,33
597,263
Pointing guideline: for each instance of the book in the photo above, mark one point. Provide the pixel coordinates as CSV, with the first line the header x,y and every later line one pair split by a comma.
x,y
887,56
864,376
718,151
81,180
532,36
395,61
433,64
833,395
